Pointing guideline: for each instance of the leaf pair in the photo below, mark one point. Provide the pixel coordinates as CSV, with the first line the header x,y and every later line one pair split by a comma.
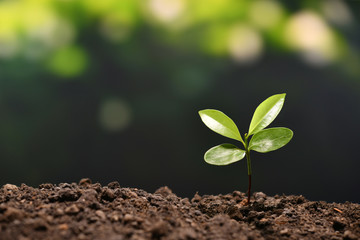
x,y
263,140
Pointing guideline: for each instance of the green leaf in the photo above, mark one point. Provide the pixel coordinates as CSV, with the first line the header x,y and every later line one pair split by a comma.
x,y
220,123
266,112
224,154
270,139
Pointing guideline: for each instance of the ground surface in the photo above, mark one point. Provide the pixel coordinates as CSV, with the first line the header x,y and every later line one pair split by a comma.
x,y
92,211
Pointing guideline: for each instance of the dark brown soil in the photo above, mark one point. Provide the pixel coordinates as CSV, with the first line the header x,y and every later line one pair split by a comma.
x,y
90,211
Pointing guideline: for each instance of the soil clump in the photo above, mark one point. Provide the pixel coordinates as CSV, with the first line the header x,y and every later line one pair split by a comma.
x,y
91,211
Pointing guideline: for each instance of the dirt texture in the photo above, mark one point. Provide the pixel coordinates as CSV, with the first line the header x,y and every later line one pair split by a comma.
x,y
92,211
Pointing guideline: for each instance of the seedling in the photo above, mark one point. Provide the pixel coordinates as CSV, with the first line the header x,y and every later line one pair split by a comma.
x,y
262,140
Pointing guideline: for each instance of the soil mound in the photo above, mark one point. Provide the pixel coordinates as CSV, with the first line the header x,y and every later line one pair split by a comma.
x,y
91,211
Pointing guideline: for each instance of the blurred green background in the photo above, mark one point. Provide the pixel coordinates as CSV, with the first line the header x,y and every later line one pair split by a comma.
x,y
110,90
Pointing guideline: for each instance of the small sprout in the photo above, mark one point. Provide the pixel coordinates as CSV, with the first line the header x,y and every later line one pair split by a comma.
x,y
262,140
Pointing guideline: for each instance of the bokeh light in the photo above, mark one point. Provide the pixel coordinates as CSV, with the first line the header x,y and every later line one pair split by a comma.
x,y
68,61
115,28
266,14
245,44
166,11
36,30
115,115
9,30
307,32
337,11
9,46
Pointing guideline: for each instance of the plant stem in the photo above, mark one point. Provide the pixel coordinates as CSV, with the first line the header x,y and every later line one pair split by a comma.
x,y
249,173
248,165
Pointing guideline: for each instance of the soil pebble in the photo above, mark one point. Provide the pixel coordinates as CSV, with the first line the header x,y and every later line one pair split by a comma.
x,y
90,211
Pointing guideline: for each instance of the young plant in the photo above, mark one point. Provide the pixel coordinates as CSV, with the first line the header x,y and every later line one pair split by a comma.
x,y
262,140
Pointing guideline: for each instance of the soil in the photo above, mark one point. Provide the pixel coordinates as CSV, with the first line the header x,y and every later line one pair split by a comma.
x,y
92,211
